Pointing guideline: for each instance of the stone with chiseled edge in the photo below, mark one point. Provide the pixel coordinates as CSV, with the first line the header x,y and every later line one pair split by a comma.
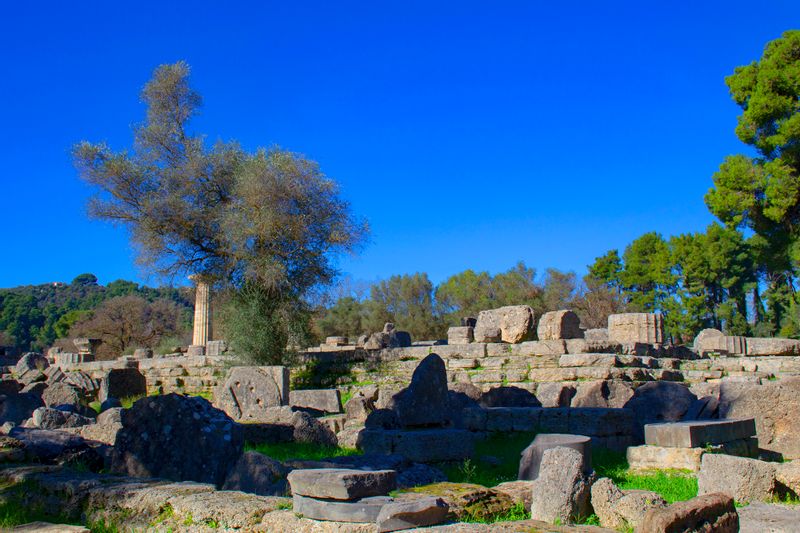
x,y
699,433
562,490
322,400
562,324
514,323
365,510
342,483
532,456
409,514
249,390
745,480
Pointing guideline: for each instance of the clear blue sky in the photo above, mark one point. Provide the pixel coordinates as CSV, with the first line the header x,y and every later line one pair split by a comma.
x,y
469,134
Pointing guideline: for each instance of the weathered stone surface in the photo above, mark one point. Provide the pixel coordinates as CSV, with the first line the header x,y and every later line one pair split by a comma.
x,y
122,383
506,396
768,518
361,404
788,475
465,499
425,401
775,405
596,335
658,457
249,390
614,394
563,324
555,394
65,396
460,335
410,514
695,434
422,446
49,418
532,456
336,340
216,348
745,480
520,491
562,489
707,340
342,483
619,509
56,447
365,510
16,408
37,388
711,513
257,474
47,527
326,401
179,438
515,323
758,346
302,426
143,353
659,401
31,361
636,327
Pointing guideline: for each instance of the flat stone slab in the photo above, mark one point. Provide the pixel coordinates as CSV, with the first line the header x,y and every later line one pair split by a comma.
x,y
699,433
365,510
411,514
342,483
323,400
768,517
663,457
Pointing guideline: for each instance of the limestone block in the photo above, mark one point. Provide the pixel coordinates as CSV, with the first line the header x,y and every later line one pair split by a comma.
x,y
588,359
555,394
619,509
563,324
636,327
743,479
658,457
323,400
342,483
760,346
460,335
712,512
365,510
532,456
514,322
596,334
548,347
562,490
249,390
412,514
699,433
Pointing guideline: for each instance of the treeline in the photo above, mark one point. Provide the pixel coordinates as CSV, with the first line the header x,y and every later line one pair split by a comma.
x,y
414,304
123,314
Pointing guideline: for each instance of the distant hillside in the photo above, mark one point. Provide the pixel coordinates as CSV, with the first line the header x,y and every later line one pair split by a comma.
x,y
32,317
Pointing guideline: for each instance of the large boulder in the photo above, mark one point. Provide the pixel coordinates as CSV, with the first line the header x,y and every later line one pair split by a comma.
x,y
618,509
249,390
31,361
258,474
57,447
555,394
712,513
659,401
562,491
411,514
49,418
122,383
302,426
425,401
16,408
177,437
707,340
743,479
563,324
614,394
67,397
513,322
776,407
506,396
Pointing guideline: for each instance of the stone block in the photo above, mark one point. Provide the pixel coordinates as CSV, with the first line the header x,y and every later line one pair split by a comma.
x,y
514,322
216,348
547,347
341,483
195,350
760,346
588,359
122,383
710,513
743,479
596,334
562,490
636,327
412,514
661,458
365,510
249,390
619,509
531,459
460,335
563,324
326,401
699,433
424,446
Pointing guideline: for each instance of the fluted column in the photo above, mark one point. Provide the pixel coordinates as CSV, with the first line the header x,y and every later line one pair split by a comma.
x,y
202,310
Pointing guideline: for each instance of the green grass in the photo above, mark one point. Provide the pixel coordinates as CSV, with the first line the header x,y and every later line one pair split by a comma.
x,y
13,514
516,513
305,451
346,395
672,485
506,447
96,406
130,400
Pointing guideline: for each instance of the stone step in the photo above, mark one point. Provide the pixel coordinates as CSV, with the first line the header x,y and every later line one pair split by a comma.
x,y
699,433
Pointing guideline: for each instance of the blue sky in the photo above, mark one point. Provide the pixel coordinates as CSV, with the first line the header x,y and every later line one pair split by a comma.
x,y
469,134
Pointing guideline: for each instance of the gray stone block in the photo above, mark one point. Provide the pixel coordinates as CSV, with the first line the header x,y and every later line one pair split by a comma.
x,y
362,511
699,433
530,462
745,480
411,514
342,483
323,400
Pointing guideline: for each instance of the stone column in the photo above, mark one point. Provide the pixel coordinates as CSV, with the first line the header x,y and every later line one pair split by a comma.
x,y
202,310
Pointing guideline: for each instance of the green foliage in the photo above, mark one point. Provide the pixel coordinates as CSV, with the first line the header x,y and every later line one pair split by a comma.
x,y
344,318
672,485
515,513
34,316
304,451
407,301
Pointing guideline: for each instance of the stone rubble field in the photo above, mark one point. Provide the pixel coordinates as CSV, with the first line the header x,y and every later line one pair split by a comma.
x,y
723,415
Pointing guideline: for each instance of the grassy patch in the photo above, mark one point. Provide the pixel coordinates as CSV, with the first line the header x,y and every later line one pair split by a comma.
x,y
346,395
13,513
305,451
504,447
96,406
672,485
130,400
517,512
